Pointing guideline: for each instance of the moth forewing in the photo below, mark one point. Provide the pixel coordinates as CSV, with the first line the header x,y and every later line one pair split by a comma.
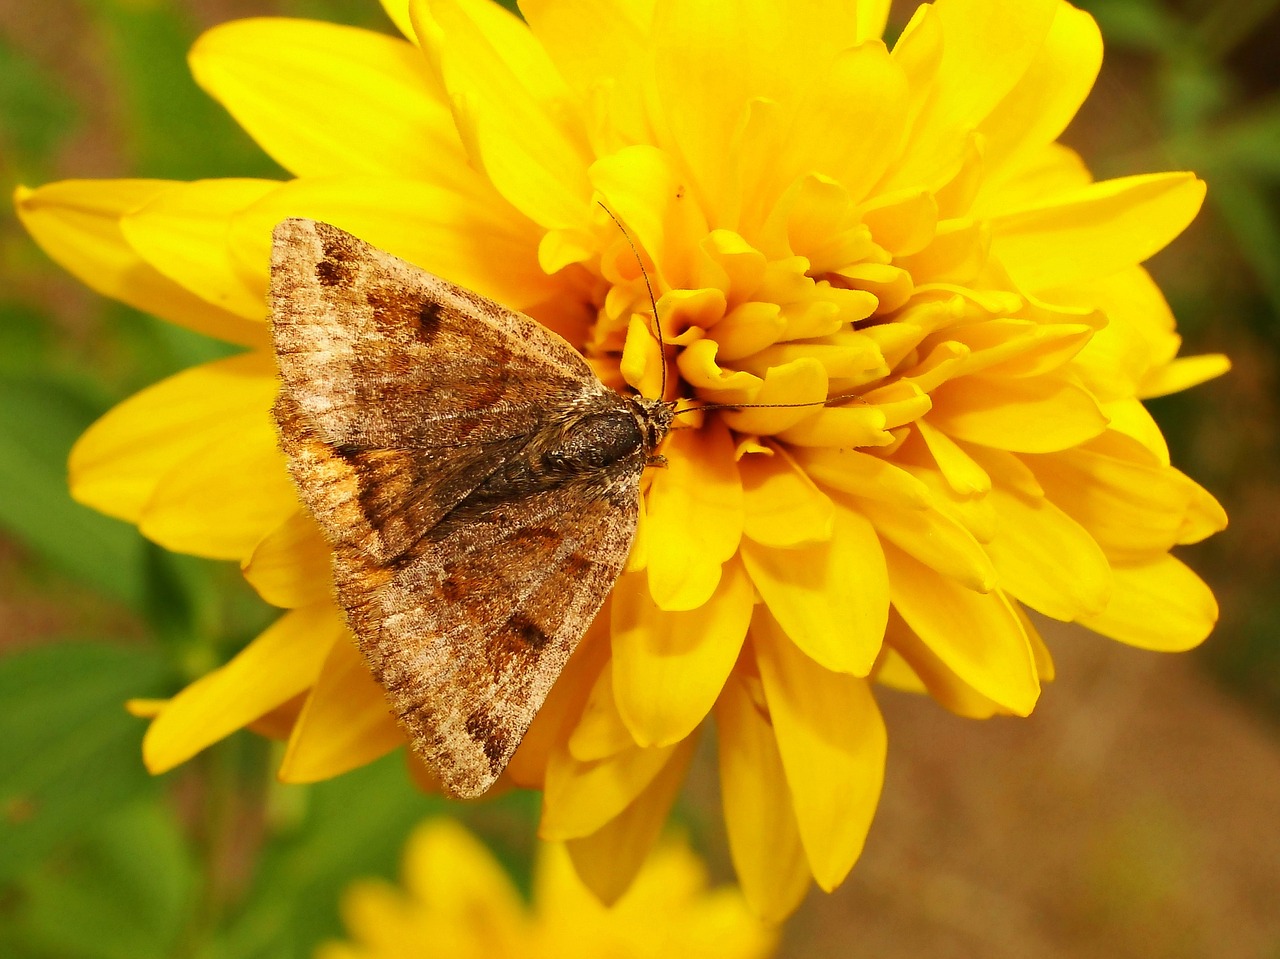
x,y
478,485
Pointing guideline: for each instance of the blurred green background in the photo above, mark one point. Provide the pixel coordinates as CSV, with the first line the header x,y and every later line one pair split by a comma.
x,y
1135,815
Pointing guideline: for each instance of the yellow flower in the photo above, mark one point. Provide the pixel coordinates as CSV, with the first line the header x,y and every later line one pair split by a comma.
x,y
822,217
457,903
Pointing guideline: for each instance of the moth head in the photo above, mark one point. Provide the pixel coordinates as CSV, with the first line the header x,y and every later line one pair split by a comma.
x,y
654,417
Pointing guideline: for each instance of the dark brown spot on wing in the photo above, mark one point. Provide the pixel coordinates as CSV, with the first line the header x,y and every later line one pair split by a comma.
x,y
329,273
429,319
337,267
453,588
492,738
537,536
398,313
526,629
577,565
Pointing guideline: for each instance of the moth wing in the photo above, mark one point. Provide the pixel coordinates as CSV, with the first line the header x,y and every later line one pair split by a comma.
x,y
400,395
378,353
469,633
391,373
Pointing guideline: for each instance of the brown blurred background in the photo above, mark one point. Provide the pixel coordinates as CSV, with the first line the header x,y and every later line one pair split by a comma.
x,y
1134,815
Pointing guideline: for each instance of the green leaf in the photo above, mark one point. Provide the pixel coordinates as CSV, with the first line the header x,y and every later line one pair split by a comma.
x,y
173,128
351,826
123,892
71,754
39,420
1248,213
1138,24
1250,144
38,113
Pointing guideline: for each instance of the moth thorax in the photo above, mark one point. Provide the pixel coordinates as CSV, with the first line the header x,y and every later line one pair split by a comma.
x,y
596,441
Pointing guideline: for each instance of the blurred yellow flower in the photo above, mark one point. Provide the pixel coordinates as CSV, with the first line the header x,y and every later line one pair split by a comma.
x,y
458,903
821,216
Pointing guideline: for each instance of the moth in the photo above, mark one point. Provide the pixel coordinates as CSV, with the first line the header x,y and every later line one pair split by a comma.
x,y
478,484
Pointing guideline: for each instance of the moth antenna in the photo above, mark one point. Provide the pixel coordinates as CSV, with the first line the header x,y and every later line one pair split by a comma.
x,y
657,325
829,401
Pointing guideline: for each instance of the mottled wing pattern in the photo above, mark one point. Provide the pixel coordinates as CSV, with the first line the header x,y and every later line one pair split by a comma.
x,y
376,354
401,395
468,634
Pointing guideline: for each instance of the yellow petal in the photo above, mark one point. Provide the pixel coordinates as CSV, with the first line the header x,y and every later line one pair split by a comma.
x,y
832,741
895,672
1131,418
282,662
77,222
934,538
563,706
449,872
1046,559
290,566
117,463
1160,605
830,598
918,668
697,921
398,12
862,474
962,58
518,121
764,839
224,497
579,798
182,232
990,44
668,668
978,636
145,708
956,254
609,859
792,386
1039,650
306,91
642,186
865,90
1095,231
694,519
698,367
344,724
1182,374
1009,347
1030,415
714,59
838,426
1137,339
872,17
1039,108
902,223
1204,516
782,504
642,364
1128,502
963,475
599,732
458,235
600,48
748,328
278,723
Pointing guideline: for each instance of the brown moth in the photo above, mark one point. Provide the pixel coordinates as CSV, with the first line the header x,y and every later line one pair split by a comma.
x,y
478,484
